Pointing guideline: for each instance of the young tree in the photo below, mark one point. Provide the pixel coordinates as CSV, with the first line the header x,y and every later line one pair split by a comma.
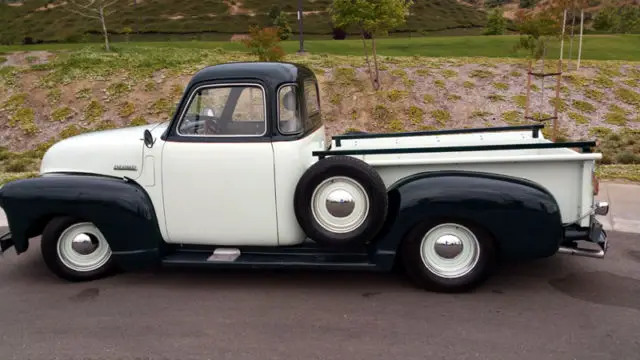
x,y
536,30
496,22
373,18
264,43
94,9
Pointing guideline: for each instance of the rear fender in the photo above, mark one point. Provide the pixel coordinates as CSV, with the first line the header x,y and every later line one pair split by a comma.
x,y
523,217
121,209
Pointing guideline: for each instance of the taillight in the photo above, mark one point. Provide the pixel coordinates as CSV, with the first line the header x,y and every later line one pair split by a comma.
x,y
596,183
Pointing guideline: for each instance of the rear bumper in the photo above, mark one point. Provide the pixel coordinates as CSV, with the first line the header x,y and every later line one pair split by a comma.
x,y
594,234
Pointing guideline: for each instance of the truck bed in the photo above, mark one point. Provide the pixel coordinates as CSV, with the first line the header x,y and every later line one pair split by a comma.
x,y
513,151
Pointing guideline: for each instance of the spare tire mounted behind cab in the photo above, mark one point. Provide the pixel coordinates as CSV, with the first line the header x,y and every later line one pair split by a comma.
x,y
341,201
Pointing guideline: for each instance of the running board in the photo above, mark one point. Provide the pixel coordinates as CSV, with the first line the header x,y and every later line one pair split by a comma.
x,y
269,258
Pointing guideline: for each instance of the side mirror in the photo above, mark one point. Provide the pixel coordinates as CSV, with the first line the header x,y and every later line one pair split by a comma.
x,y
148,139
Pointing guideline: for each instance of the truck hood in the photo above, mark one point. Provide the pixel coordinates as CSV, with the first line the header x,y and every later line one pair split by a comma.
x,y
116,152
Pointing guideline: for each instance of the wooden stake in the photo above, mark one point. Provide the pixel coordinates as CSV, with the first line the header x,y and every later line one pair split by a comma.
x,y
557,104
580,46
526,108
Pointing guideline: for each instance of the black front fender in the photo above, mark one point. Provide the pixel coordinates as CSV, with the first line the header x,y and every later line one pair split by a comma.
x,y
121,209
523,217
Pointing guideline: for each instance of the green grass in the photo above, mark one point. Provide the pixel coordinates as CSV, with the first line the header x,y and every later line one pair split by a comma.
x,y
619,172
614,47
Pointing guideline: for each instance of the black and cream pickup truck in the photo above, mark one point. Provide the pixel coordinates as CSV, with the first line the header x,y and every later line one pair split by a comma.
x,y
243,175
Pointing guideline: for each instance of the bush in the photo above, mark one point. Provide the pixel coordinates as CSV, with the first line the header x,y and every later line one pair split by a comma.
x,y
339,33
264,43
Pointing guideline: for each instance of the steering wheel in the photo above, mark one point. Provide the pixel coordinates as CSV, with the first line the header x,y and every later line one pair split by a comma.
x,y
200,124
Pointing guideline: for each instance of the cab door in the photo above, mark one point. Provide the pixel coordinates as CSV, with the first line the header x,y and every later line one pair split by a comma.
x,y
218,169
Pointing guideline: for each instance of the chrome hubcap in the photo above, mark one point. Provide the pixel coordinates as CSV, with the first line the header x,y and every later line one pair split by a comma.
x,y
340,203
448,246
82,247
84,244
450,250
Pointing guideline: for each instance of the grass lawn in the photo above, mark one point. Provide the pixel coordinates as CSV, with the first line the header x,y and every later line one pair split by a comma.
x,y
594,47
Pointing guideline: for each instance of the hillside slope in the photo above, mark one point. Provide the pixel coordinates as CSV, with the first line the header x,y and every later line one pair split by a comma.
x,y
47,20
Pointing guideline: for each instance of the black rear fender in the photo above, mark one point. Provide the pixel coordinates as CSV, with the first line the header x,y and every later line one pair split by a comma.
x,y
522,216
121,209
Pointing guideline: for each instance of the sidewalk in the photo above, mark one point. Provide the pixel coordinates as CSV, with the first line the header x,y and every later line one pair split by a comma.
x,y
624,207
623,199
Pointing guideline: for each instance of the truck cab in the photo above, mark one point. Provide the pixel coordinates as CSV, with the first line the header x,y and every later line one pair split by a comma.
x,y
243,175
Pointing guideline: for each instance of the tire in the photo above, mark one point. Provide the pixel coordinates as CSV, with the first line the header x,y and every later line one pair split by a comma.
x,y
68,261
335,224
434,268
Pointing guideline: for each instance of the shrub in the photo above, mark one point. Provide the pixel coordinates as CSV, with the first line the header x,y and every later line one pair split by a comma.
x,y
395,95
264,43
18,165
61,114
584,106
441,116
615,118
416,115
594,94
628,96
578,118
511,117
429,99
520,100
500,86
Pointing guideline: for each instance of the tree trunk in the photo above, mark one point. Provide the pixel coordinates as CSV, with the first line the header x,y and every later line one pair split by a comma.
x,y
104,30
366,56
376,85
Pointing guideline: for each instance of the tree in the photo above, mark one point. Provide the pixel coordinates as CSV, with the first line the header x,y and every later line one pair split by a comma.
x,y
94,9
496,22
373,18
536,30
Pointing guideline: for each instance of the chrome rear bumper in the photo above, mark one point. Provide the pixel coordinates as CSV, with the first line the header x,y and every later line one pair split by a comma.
x,y
595,234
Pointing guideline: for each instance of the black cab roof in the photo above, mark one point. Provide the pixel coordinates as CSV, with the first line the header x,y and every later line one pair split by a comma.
x,y
273,73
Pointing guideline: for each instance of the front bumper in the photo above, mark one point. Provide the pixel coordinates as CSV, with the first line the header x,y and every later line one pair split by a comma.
x,y
5,242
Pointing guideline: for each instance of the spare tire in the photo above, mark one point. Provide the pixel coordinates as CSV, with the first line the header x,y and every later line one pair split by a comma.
x,y
341,201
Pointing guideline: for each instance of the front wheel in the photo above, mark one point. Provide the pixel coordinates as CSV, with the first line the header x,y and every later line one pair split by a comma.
x,y
76,250
448,256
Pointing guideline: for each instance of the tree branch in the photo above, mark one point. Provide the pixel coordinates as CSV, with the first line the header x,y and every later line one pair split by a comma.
x,y
83,14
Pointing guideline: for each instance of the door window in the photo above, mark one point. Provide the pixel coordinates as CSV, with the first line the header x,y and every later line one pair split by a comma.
x,y
230,110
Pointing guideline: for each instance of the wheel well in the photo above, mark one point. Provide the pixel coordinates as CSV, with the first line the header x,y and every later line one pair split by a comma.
x,y
37,227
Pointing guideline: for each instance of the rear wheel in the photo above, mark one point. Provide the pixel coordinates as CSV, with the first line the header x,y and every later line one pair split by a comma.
x,y
448,256
76,250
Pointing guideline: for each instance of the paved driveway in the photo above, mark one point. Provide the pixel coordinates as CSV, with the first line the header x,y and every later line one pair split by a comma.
x,y
558,308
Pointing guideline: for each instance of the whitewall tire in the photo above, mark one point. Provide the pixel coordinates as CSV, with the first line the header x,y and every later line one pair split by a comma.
x,y
448,255
76,250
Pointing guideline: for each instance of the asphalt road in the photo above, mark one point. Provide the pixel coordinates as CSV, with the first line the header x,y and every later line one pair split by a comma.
x,y
558,308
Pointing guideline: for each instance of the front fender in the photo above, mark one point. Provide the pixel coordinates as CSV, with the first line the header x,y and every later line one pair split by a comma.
x,y
121,209
523,217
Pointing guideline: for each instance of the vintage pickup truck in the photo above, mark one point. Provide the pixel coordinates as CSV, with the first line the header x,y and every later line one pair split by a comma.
x,y
243,176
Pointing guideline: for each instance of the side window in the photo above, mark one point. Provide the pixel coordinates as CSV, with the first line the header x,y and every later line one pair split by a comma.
x,y
233,110
311,97
289,121
313,119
